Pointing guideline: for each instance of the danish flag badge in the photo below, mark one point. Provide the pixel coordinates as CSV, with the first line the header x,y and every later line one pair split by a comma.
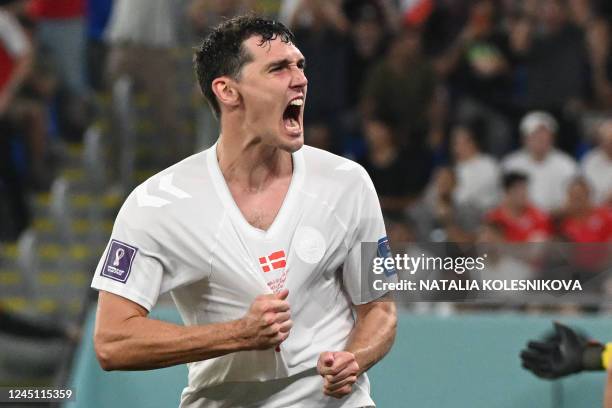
x,y
276,260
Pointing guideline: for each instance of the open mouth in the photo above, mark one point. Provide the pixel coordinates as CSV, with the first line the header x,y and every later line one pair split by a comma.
x,y
291,115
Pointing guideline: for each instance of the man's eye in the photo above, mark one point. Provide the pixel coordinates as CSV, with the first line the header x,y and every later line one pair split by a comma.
x,y
275,69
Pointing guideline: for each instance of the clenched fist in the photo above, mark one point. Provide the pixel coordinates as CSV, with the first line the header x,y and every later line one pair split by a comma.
x,y
268,321
339,370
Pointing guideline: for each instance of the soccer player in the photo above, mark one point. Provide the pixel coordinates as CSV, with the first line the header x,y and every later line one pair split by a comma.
x,y
258,240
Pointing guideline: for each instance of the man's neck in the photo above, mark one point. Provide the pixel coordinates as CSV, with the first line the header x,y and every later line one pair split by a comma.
x,y
245,161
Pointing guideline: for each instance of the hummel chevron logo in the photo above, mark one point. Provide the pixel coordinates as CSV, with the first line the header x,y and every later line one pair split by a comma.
x,y
145,199
165,184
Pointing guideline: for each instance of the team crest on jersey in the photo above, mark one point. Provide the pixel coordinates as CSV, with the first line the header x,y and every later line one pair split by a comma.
x,y
384,251
273,267
118,263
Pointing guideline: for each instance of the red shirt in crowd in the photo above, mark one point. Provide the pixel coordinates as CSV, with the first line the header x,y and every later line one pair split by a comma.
x,y
56,9
7,65
531,225
595,227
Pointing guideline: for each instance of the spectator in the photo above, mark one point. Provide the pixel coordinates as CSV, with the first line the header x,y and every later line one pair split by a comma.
x,y
519,219
479,67
321,31
438,217
403,87
142,36
14,209
555,60
549,170
585,225
98,13
581,220
600,63
15,54
478,175
597,165
398,175
15,66
369,33
61,33
286,11
205,14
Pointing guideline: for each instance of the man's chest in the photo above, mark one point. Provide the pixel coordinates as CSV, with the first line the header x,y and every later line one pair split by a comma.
x,y
307,241
260,208
304,247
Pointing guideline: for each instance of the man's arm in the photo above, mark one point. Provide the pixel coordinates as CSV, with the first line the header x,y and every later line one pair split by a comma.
x,y
126,339
374,332
370,340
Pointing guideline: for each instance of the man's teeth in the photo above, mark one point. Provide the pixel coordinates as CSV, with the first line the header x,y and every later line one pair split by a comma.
x,y
293,122
297,102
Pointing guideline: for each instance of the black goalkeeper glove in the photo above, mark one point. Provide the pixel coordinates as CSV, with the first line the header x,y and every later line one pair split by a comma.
x,y
566,353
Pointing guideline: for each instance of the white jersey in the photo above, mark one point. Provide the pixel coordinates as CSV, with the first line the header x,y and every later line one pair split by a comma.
x,y
547,179
181,231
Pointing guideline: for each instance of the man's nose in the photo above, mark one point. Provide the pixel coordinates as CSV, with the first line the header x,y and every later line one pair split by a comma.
x,y
299,79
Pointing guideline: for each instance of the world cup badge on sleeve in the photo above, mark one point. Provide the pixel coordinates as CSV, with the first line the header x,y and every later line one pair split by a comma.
x,y
118,261
384,251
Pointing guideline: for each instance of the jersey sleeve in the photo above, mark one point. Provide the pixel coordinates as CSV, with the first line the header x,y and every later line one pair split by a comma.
x,y
131,265
367,241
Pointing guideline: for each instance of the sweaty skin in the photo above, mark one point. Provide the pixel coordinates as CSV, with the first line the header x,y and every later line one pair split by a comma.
x,y
126,339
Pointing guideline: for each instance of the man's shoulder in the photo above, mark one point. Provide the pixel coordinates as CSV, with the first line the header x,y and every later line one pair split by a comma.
x,y
160,193
330,166
323,159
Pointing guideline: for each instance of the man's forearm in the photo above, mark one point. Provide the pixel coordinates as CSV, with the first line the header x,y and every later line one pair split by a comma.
x,y
141,343
373,334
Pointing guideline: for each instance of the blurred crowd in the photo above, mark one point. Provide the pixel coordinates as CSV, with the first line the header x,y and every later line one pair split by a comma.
x,y
45,98
468,114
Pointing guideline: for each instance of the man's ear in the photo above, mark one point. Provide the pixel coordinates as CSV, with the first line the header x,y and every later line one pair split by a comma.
x,y
225,91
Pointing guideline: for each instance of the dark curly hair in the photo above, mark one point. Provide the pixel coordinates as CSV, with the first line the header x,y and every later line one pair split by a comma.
x,y
222,53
